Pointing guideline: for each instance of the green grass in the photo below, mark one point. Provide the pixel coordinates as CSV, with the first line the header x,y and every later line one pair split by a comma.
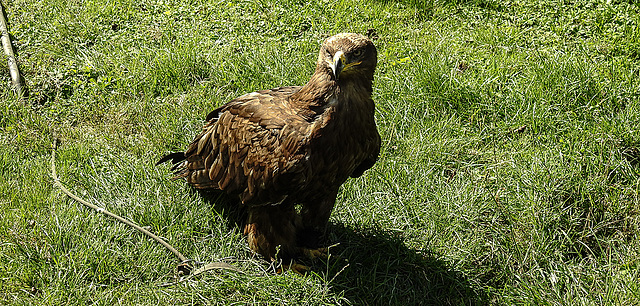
x,y
463,207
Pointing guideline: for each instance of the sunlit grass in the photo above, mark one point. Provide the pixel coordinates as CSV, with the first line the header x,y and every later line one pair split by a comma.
x,y
509,173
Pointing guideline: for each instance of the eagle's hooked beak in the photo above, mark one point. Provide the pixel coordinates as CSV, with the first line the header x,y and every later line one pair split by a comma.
x,y
341,64
338,64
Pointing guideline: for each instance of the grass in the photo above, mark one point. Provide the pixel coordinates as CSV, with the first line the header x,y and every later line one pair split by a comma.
x,y
509,173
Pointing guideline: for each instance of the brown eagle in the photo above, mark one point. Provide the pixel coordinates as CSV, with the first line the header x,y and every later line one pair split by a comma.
x,y
288,146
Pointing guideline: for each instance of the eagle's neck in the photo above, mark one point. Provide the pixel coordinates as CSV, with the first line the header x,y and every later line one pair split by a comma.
x,y
316,93
323,93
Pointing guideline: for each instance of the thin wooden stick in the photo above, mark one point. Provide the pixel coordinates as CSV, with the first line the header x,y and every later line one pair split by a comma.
x,y
16,79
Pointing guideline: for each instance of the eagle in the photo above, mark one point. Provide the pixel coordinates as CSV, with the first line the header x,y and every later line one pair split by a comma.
x,y
285,152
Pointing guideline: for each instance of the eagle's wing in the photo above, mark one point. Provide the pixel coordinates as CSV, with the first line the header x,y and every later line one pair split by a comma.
x,y
372,146
252,146
370,160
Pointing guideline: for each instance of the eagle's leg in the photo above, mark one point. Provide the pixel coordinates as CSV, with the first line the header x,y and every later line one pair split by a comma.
x,y
315,216
271,231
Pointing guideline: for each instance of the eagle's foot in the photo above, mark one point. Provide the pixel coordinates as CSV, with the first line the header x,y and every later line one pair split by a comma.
x,y
319,253
312,254
295,267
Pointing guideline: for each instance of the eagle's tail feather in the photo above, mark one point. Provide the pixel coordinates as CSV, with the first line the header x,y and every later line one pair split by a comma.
x,y
175,158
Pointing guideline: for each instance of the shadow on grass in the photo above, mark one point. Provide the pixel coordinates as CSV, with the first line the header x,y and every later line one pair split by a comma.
x,y
227,206
376,268
429,4
372,267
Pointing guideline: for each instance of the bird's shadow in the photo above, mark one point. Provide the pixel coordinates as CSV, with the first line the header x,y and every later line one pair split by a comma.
x,y
374,267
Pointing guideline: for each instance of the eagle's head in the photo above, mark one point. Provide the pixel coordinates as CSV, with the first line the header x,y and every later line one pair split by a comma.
x,y
344,72
347,56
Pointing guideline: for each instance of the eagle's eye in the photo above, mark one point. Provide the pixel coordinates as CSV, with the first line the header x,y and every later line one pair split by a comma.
x,y
357,53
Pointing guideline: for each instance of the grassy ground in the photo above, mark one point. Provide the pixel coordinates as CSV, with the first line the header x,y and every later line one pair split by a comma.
x,y
509,173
